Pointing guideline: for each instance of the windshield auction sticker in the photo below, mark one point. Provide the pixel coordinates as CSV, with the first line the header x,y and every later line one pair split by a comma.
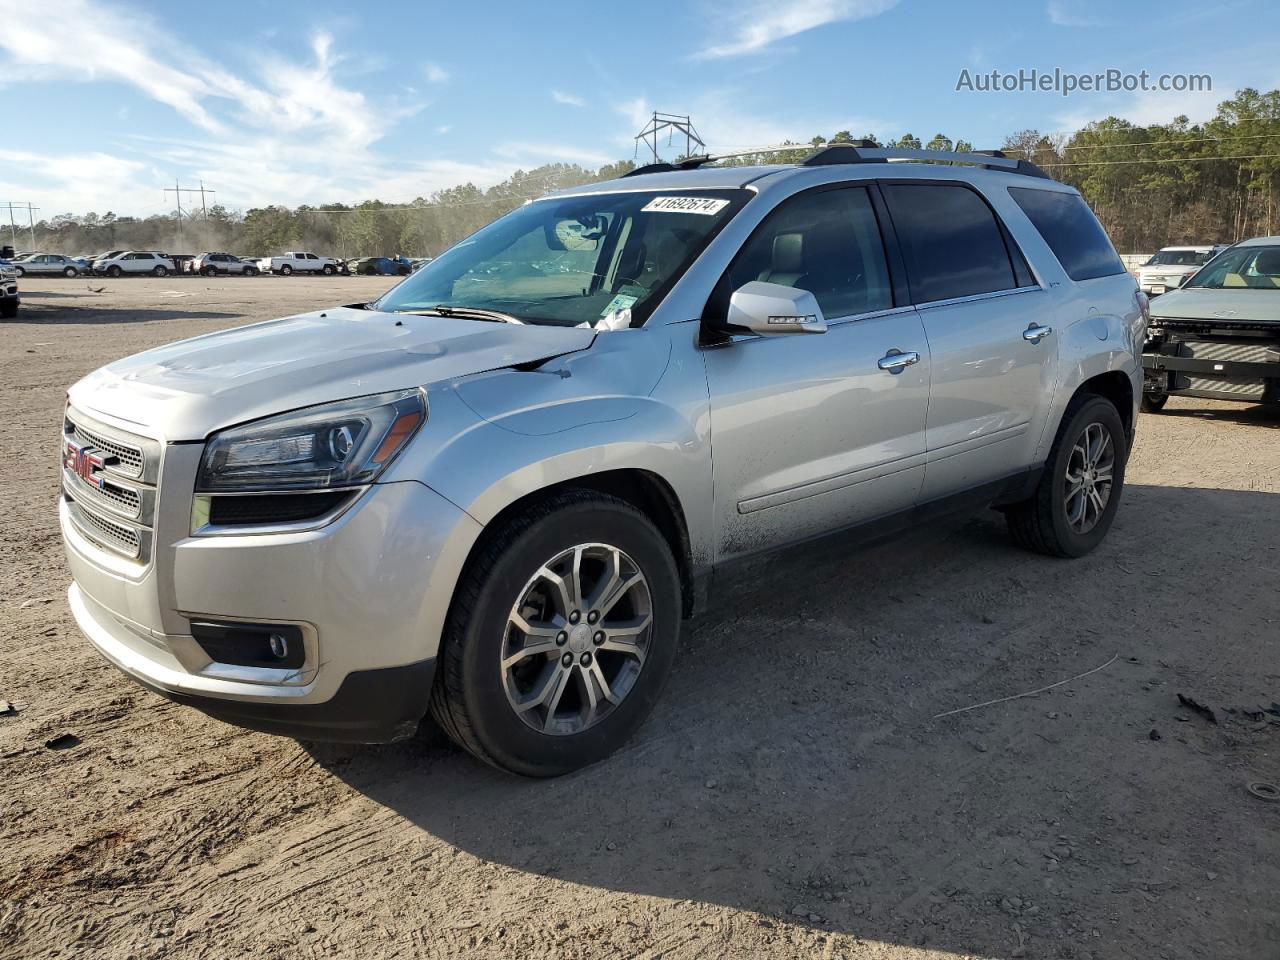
x,y
706,205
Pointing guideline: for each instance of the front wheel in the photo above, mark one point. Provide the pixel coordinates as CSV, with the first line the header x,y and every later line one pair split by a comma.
x,y
70,272
1078,494
114,271
8,308
286,270
1154,402
561,636
19,270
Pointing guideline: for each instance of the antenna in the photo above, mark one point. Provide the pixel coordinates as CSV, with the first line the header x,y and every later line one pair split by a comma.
x,y
672,123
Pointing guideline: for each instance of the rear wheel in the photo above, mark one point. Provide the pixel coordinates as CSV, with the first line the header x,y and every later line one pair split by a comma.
x,y
250,271
560,637
327,270
160,271
1078,494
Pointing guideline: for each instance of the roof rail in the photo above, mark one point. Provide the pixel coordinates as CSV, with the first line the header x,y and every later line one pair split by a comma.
x,y
865,152
688,163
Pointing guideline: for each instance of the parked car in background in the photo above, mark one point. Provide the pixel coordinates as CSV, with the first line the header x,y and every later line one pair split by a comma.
x,y
136,262
421,262
1218,337
298,262
9,298
48,264
105,255
213,264
1170,267
380,266
490,493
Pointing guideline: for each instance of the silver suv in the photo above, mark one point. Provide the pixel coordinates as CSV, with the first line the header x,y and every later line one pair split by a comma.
x,y
494,493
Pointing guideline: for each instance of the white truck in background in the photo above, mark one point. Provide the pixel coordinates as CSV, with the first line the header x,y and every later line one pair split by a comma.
x,y
298,262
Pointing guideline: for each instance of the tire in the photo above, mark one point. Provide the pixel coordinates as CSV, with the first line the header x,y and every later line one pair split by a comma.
x,y
20,272
473,697
286,270
1154,402
70,273
114,270
327,270
1043,523
160,271
250,271
8,309
208,272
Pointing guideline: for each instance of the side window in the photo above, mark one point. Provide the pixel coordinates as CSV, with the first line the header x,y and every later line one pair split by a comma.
x,y
951,241
827,242
1071,230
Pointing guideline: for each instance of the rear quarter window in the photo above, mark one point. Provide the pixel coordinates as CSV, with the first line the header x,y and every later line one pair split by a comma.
x,y
1071,230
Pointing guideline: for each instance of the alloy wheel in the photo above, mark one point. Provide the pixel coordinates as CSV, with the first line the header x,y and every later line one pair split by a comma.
x,y
1089,477
576,639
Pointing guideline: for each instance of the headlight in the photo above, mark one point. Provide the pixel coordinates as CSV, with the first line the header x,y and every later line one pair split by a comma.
x,y
342,444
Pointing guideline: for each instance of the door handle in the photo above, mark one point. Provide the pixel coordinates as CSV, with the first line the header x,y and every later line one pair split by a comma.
x,y
1035,333
895,361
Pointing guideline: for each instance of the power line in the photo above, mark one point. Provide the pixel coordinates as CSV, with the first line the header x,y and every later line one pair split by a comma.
x,y
1105,163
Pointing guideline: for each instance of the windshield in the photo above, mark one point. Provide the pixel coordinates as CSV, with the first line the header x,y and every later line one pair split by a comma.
x,y
574,261
1179,258
1254,267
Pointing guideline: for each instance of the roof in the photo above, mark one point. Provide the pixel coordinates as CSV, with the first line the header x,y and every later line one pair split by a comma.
x,y
1259,242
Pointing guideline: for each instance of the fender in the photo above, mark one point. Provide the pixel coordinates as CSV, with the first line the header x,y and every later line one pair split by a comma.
x,y
622,404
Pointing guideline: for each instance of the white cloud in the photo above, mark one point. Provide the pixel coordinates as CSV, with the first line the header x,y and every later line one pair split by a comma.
x,y
435,73
1062,14
569,99
754,26
443,129
525,152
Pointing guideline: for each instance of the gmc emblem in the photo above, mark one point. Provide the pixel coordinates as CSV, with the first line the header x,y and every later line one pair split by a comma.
x,y
84,462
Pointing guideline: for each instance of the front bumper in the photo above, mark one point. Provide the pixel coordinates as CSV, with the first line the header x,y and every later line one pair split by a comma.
x,y
369,593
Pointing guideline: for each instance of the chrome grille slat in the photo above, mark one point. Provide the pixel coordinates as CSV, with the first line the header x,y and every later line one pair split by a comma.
x,y
110,496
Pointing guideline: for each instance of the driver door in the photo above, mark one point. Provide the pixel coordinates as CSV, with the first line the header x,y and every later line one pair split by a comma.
x,y
809,433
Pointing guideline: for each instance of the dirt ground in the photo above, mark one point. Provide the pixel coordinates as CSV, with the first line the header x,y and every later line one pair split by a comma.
x,y
792,796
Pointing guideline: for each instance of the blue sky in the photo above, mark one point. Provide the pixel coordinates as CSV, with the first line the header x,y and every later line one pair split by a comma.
x,y
291,102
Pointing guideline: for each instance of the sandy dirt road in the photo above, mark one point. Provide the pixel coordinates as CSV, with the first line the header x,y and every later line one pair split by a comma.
x,y
790,797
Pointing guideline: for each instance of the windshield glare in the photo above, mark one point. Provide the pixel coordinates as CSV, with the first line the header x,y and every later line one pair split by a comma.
x,y
1256,268
1179,258
574,261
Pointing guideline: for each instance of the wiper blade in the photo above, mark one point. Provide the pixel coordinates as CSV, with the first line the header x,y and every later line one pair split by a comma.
x,y
475,313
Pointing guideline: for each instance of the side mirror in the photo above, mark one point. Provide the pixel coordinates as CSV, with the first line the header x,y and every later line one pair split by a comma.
x,y
771,309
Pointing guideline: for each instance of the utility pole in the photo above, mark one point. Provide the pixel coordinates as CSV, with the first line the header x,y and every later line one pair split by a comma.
x,y
673,123
178,190
31,222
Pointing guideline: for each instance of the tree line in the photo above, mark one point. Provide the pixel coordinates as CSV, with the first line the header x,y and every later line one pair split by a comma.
x,y
1151,186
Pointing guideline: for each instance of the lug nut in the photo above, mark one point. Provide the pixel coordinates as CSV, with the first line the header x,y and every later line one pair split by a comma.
x,y
593,616
561,638
598,638
586,660
567,660
575,616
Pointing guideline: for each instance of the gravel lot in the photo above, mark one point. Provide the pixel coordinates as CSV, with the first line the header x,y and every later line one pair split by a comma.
x,y
791,796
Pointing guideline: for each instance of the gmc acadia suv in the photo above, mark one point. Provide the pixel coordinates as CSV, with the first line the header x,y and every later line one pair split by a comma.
x,y
494,493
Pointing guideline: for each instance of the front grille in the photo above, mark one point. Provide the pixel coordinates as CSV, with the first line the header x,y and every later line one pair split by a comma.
x,y
109,479
1243,390
1235,352
130,456
108,533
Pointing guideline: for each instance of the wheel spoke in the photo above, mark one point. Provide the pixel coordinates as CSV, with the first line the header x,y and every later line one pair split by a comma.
x,y
564,591
595,678
608,582
575,578
611,601
551,687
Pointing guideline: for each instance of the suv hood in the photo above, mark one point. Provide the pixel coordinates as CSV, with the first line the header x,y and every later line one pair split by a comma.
x,y
1235,303
189,389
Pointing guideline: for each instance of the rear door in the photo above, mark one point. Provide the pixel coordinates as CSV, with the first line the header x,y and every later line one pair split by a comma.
x,y
809,433
989,326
